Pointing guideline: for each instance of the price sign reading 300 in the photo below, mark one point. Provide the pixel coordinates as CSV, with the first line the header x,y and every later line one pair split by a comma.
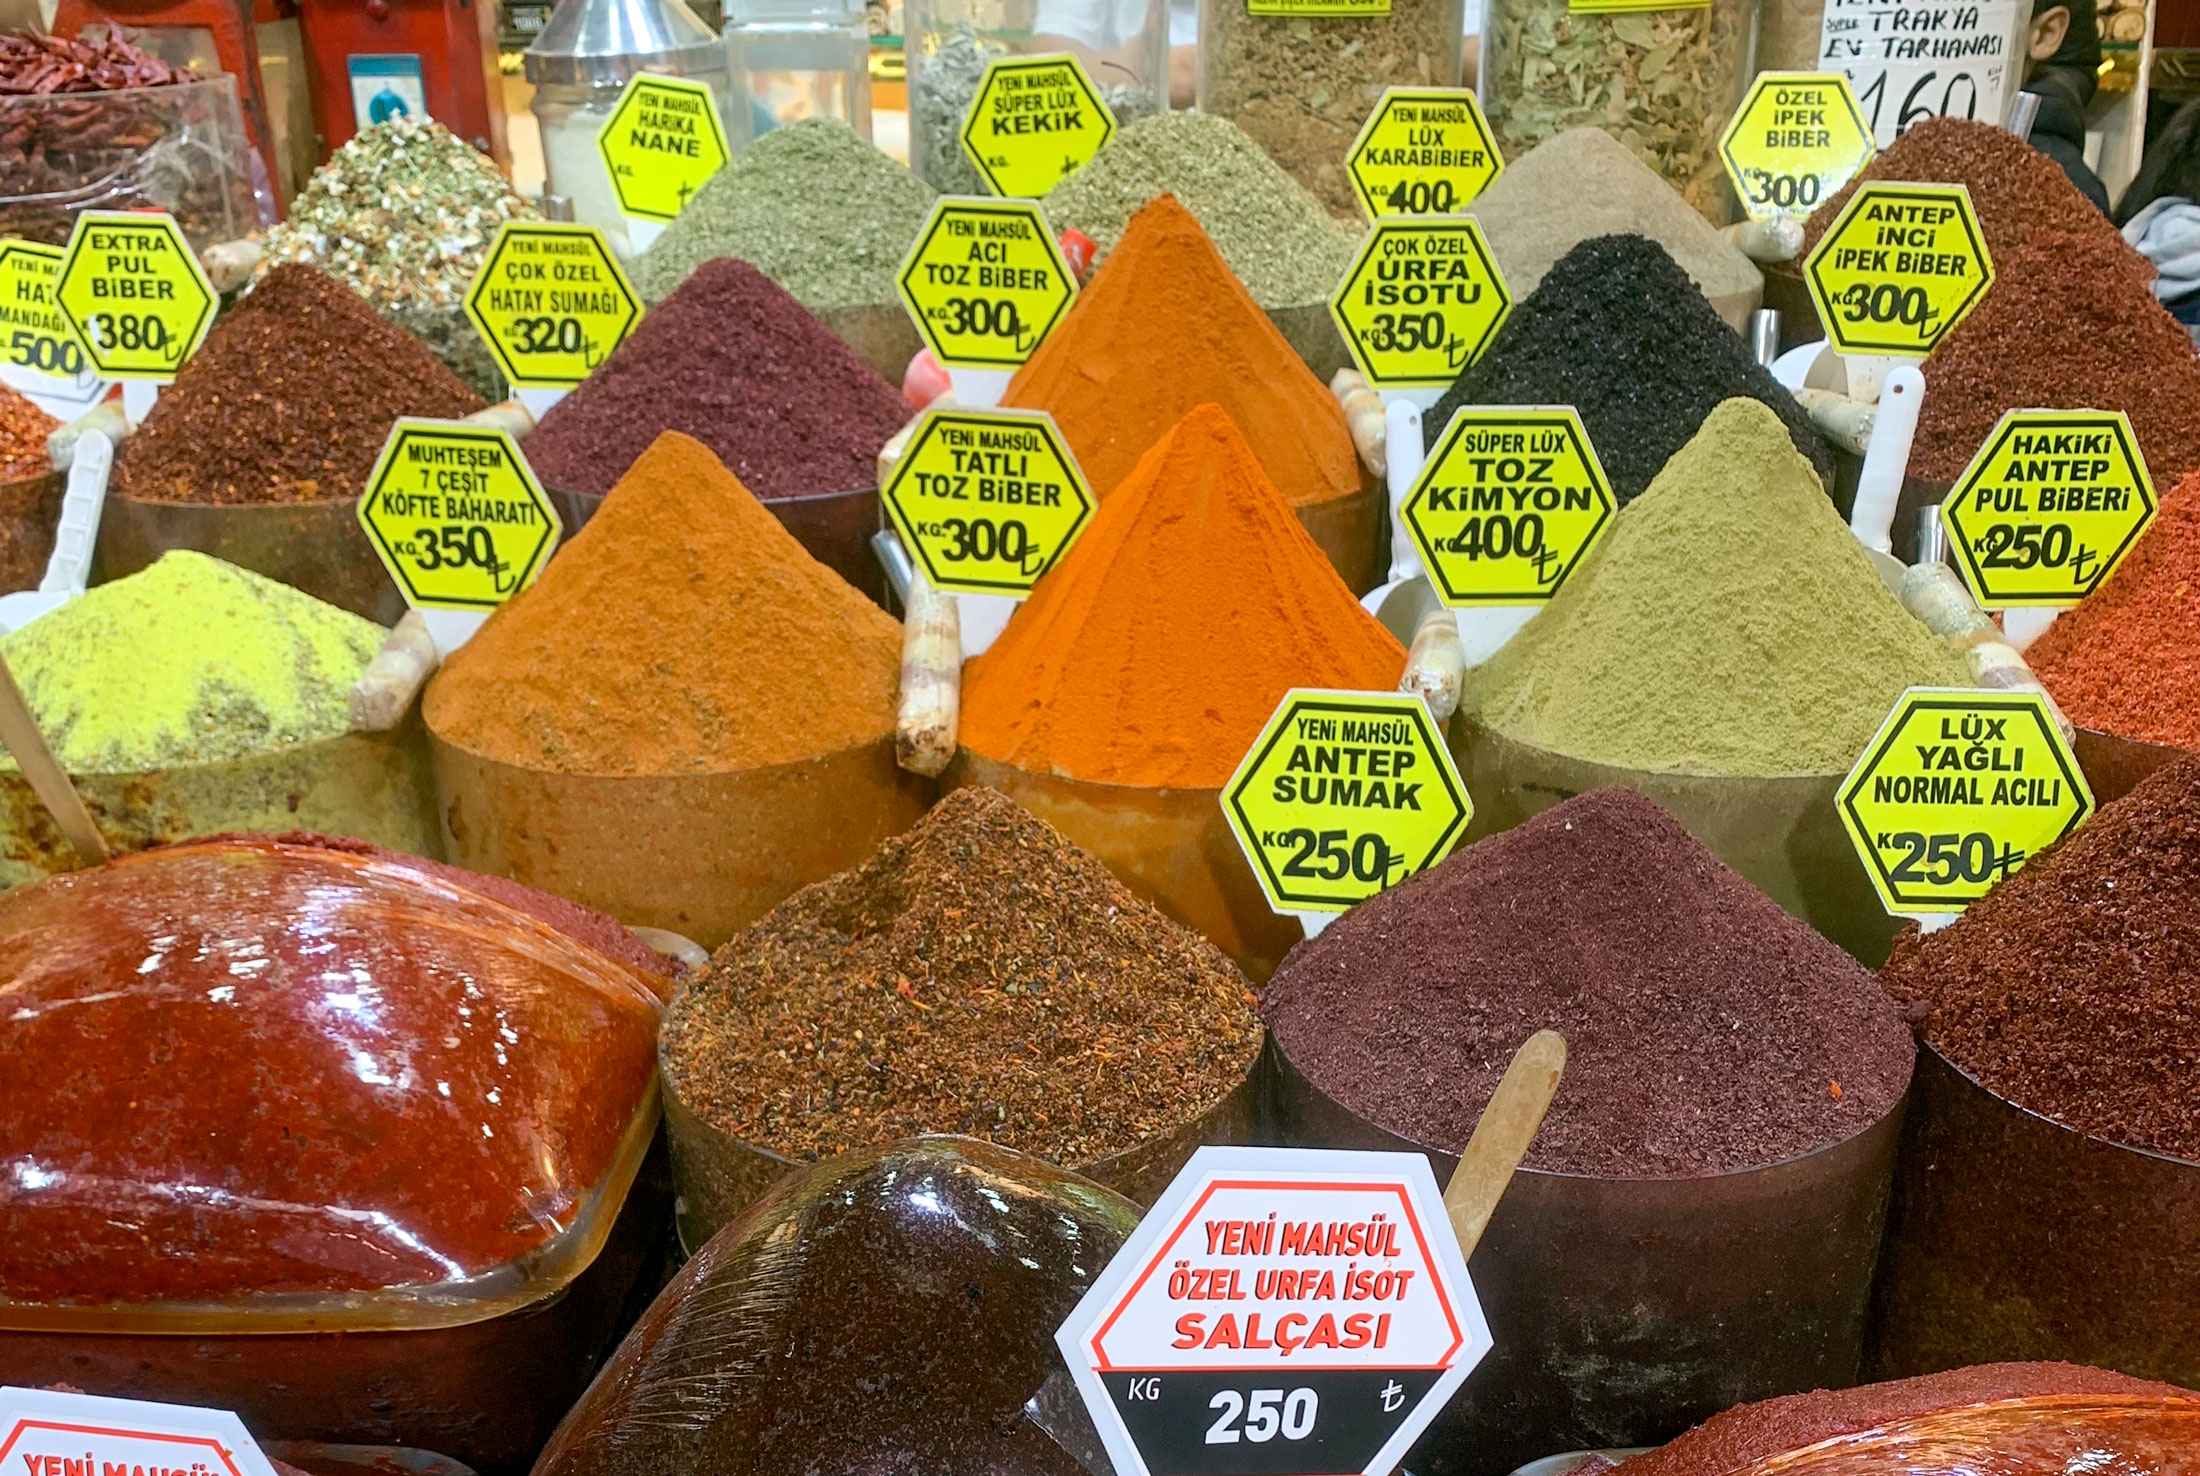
x,y
985,282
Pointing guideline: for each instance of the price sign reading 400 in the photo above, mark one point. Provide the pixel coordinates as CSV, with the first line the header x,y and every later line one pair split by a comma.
x,y
1796,139
1509,503
456,515
134,294
551,302
1421,300
1423,151
2049,506
1898,268
985,282
1955,791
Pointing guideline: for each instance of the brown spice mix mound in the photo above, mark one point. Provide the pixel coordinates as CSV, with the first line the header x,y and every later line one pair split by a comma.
x,y
978,975
682,631
2073,988
289,400
23,431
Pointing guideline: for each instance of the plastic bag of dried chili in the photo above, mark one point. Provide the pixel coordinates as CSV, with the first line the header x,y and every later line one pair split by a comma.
x,y
280,1085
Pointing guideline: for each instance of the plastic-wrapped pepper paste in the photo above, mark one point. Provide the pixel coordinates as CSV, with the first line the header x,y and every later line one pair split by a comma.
x,y
241,1067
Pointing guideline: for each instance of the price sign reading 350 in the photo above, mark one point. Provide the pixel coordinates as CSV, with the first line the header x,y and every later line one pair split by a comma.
x,y
456,515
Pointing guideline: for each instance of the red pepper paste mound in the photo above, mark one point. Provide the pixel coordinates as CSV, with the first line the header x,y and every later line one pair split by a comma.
x,y
243,1066
1735,1442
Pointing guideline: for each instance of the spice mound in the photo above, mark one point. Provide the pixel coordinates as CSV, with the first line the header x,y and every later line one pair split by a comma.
x,y
2127,660
978,975
1164,327
1155,651
2027,1419
188,661
1706,1029
812,205
290,399
1277,238
889,1310
296,1069
2073,988
682,631
2118,349
1616,330
1728,624
733,361
1583,184
23,431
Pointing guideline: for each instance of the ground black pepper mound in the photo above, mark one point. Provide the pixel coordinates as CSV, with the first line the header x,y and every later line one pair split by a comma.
x,y
2073,989
289,400
1617,330
732,360
1706,1029
978,975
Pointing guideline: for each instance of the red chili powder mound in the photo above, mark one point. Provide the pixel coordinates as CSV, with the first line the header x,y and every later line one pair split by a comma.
x,y
23,431
2127,660
734,361
2073,988
1159,646
1730,1444
2066,326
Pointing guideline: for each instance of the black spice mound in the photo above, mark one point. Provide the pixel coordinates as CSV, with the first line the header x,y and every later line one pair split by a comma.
x,y
1706,1029
1617,330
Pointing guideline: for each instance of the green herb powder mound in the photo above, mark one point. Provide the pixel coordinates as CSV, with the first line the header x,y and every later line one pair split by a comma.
x,y
1277,238
189,661
1729,624
813,206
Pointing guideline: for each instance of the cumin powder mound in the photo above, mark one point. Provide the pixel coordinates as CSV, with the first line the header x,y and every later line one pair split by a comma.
x,y
682,631
289,400
1164,327
978,975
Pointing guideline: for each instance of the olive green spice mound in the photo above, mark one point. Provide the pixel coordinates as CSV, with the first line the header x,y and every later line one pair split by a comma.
x,y
813,206
1276,237
978,975
1729,623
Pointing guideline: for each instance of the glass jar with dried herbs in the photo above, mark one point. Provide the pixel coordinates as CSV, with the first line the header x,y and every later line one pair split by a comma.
x,y
1662,82
1302,85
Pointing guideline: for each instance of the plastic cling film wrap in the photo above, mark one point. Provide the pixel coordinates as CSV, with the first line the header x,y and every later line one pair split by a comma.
x,y
2050,1435
260,1085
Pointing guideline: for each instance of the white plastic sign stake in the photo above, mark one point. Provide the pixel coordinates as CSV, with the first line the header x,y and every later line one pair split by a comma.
x,y
85,1435
1280,1312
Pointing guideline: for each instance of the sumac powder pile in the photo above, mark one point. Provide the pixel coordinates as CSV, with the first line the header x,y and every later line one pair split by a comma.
x,y
978,975
2073,988
2127,660
1706,1029
289,400
1617,330
732,360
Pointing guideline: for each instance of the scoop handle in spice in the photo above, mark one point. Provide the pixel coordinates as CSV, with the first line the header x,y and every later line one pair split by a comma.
x,y
1403,448
230,264
385,690
19,731
1887,459
1844,421
1363,417
1436,665
1937,596
1502,1137
931,680
509,416
106,417
1777,239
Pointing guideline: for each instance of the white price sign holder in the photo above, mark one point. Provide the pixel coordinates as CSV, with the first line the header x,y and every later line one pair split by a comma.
x,y
54,1434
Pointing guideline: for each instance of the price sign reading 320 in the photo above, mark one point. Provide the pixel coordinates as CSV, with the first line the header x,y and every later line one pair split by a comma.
x,y
551,302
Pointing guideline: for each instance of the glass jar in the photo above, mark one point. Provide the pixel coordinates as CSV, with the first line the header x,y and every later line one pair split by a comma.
x,y
580,64
803,59
1663,82
1123,44
1302,85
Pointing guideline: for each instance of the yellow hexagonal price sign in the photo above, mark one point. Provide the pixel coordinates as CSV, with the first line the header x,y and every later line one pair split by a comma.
x,y
551,302
985,281
1510,503
989,500
1342,795
134,294
1423,151
1035,121
1421,300
34,337
456,515
1898,268
2049,506
1796,139
661,142
1955,791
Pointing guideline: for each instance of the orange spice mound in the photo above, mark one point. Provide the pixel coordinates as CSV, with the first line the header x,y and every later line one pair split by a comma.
x,y
1164,327
683,630
1157,649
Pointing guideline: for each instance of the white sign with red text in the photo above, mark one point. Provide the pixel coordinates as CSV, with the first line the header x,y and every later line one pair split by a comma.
x,y
45,1433
1279,1312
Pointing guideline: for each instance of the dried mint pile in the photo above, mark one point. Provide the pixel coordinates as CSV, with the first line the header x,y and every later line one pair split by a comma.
x,y
1617,330
978,975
